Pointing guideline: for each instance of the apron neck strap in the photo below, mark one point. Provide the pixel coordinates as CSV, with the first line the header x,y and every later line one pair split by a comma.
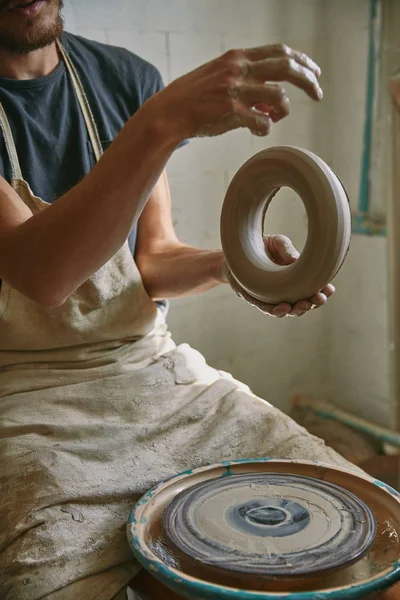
x,y
86,112
83,102
10,145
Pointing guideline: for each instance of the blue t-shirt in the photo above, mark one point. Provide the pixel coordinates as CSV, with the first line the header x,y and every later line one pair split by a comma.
x,y
47,123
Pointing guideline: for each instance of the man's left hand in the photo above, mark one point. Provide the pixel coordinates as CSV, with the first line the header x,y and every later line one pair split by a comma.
x,y
281,250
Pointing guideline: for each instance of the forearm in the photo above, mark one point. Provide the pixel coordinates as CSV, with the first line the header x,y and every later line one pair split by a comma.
x,y
50,254
180,270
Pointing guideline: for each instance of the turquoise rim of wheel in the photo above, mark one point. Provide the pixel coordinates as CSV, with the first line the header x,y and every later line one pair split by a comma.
x,y
191,588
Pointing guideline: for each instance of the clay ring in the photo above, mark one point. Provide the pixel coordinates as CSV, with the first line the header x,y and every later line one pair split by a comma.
x,y
242,218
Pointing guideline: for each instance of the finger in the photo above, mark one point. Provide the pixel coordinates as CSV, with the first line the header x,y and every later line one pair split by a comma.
x,y
269,110
319,299
287,69
279,51
301,307
281,310
271,97
256,121
225,272
329,290
280,249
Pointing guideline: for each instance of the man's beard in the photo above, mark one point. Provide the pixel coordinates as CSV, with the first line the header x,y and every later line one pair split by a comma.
x,y
29,34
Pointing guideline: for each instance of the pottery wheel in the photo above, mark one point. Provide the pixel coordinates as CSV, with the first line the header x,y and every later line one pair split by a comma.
x,y
242,220
269,524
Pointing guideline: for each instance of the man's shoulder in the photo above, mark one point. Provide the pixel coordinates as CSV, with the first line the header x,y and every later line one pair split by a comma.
x,y
112,61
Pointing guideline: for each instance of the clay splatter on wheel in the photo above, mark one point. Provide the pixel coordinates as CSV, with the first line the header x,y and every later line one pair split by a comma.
x,y
269,524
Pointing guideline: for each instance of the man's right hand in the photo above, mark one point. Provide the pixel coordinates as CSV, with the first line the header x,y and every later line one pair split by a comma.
x,y
241,88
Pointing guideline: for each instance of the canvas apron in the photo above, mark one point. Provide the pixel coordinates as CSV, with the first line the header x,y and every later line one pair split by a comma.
x,y
97,405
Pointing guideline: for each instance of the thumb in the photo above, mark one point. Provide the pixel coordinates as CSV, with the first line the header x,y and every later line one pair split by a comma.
x,y
225,273
280,249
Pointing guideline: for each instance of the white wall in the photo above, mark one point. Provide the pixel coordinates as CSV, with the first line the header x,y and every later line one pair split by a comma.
x,y
357,328
341,349
276,358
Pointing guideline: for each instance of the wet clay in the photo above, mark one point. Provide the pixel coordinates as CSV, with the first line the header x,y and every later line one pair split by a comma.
x,y
242,218
272,524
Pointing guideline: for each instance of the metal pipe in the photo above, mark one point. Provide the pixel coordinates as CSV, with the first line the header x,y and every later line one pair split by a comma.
x,y
328,411
364,192
394,255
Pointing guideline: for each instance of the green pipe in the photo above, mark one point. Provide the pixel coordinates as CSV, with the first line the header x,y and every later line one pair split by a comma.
x,y
364,194
328,411
389,438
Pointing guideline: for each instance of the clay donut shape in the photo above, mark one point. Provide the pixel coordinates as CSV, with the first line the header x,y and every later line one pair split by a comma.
x,y
242,219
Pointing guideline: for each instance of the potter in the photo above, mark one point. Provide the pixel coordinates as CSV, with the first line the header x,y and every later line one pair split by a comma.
x,y
97,402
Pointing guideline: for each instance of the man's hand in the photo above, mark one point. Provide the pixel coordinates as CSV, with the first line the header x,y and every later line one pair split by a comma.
x,y
281,250
242,88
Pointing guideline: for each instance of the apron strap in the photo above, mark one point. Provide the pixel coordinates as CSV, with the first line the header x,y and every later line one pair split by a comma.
x,y
16,172
84,103
86,111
